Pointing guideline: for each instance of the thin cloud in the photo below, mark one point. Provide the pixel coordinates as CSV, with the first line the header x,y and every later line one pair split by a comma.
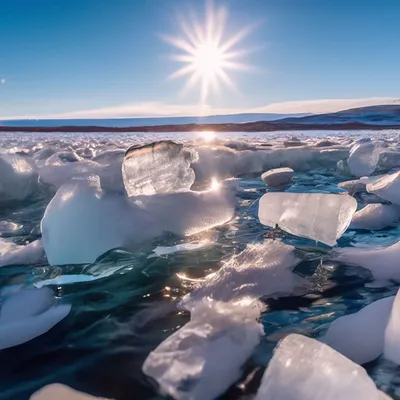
x,y
160,109
323,106
3,81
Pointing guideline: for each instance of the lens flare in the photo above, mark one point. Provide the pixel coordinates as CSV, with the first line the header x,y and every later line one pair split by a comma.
x,y
215,185
207,136
207,55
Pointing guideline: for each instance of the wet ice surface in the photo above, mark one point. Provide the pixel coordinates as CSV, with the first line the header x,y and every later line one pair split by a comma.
x,y
124,303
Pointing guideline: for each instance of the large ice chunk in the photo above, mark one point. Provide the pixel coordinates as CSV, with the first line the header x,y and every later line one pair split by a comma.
x,y
160,167
317,216
382,262
82,221
18,178
277,176
56,391
263,269
392,333
375,217
305,369
363,158
387,188
202,359
28,313
369,324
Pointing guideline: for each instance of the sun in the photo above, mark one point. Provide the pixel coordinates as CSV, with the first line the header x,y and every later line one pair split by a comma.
x,y
205,52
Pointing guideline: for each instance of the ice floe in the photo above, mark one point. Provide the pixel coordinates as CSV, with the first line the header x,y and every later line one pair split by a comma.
x,y
277,177
82,221
317,216
305,369
160,167
388,188
363,158
26,313
204,357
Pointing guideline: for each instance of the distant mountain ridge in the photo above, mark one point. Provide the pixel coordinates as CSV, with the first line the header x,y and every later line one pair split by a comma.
x,y
156,121
373,115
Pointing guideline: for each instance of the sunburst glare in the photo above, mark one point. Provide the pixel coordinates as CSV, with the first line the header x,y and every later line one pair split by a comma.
x,y
208,55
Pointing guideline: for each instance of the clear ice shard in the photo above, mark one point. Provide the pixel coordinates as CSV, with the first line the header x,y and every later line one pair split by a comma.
x,y
375,217
203,358
369,324
160,167
317,216
305,369
18,178
82,221
388,188
27,313
382,262
57,391
363,158
262,269
277,177
392,333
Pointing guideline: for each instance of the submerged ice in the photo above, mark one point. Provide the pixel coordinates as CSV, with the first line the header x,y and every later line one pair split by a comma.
x,y
261,270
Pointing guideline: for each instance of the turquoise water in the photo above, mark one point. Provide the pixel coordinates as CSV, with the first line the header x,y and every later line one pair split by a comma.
x,y
119,318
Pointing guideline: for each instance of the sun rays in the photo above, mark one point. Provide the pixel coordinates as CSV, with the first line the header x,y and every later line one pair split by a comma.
x,y
206,53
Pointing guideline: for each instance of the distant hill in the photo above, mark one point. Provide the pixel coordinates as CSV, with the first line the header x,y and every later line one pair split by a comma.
x,y
372,118
133,122
373,115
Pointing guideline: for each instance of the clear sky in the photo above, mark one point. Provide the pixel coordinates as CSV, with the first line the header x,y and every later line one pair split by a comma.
x,y
108,57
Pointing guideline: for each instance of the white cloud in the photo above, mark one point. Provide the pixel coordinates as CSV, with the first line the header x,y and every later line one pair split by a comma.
x,y
159,109
3,81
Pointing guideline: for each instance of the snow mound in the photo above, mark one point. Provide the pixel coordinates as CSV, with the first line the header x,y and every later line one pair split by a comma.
x,y
13,254
382,262
202,359
369,324
321,217
375,217
28,313
392,333
18,178
305,369
263,269
160,167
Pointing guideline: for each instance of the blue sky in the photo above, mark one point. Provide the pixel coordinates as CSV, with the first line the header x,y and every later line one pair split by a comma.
x,y
79,58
